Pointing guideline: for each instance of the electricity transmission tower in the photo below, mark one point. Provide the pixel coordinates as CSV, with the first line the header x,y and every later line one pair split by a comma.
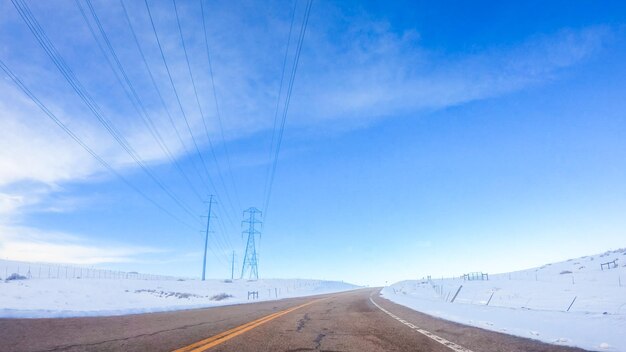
x,y
206,237
250,261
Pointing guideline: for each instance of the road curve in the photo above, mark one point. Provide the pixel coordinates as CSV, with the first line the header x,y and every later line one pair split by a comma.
x,y
351,321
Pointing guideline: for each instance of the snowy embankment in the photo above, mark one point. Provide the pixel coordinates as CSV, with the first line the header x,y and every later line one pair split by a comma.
x,y
573,303
60,297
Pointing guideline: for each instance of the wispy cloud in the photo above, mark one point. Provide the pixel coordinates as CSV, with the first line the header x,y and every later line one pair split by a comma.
x,y
27,244
367,73
10,202
380,74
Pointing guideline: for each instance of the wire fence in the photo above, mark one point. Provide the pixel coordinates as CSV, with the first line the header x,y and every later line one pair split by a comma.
x,y
64,271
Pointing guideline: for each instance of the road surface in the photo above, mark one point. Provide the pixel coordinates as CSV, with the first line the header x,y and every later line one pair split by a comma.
x,y
351,321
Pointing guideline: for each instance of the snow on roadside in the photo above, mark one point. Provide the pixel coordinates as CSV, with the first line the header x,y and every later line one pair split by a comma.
x,y
533,303
47,298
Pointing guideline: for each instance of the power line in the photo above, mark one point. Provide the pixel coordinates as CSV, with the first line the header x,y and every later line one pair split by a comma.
x,y
67,73
223,259
180,105
222,242
287,100
217,106
95,155
225,238
195,91
220,255
222,250
156,87
134,99
219,241
280,90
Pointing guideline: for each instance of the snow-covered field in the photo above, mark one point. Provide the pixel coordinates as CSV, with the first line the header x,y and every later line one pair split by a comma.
x,y
116,295
534,303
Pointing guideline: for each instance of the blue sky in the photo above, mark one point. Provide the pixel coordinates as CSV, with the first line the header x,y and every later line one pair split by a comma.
x,y
421,139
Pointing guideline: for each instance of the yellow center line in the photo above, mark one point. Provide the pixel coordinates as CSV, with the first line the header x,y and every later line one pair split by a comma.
x,y
222,337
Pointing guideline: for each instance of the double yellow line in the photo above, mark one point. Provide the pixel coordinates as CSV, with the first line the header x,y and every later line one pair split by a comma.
x,y
220,338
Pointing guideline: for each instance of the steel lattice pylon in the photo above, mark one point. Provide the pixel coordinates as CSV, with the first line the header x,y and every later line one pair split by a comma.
x,y
250,260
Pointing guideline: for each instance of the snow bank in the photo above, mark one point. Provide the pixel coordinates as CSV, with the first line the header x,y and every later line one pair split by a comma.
x,y
47,298
534,303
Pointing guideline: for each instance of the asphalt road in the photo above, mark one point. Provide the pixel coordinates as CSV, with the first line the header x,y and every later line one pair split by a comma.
x,y
350,321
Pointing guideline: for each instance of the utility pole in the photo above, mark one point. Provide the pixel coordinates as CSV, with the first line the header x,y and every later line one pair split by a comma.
x,y
250,257
206,237
232,267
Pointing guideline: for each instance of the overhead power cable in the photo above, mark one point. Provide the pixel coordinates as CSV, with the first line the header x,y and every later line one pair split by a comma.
x,y
162,100
130,91
195,91
292,77
219,238
226,238
180,105
280,91
80,142
217,106
223,258
67,73
159,94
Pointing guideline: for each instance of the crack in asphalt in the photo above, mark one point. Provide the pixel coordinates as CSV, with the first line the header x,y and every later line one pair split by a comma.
x,y
302,322
318,341
66,347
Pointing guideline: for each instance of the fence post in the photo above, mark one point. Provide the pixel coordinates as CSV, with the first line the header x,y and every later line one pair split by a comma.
x,y
571,304
456,294
490,297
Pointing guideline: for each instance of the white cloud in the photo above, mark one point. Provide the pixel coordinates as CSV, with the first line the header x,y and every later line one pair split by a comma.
x,y
27,244
346,79
366,73
32,147
385,74
9,202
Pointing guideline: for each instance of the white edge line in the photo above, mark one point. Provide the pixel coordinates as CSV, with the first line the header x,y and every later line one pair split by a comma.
x,y
451,345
